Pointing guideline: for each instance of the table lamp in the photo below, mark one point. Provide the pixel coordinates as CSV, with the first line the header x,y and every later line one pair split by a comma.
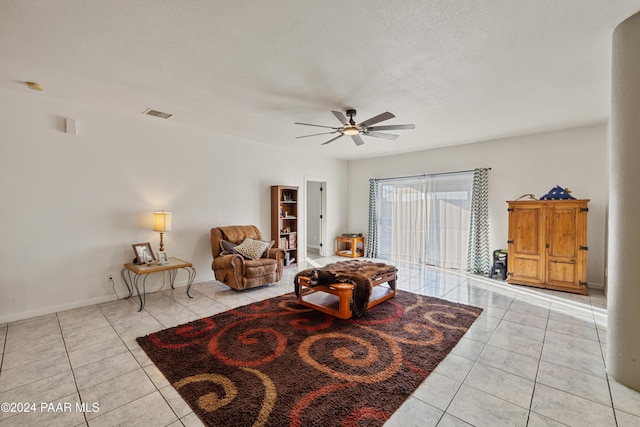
x,y
161,224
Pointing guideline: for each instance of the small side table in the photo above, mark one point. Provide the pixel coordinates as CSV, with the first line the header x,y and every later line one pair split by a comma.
x,y
131,273
352,247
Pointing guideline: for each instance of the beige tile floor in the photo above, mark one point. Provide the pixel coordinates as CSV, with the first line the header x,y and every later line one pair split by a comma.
x,y
533,358
313,254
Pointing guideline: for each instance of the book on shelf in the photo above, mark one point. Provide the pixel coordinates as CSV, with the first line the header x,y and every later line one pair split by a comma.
x,y
293,240
284,243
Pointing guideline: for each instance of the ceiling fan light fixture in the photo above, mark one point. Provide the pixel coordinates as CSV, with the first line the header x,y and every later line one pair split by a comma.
x,y
350,128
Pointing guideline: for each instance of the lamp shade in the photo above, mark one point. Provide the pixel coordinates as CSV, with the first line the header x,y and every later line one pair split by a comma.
x,y
162,221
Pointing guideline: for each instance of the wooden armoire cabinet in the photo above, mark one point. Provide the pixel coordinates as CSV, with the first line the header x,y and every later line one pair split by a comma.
x,y
548,244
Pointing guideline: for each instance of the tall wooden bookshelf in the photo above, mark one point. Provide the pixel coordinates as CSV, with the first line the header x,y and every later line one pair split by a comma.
x,y
284,221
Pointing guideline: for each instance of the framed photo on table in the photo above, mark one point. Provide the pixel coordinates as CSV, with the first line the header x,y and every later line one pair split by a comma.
x,y
162,258
144,254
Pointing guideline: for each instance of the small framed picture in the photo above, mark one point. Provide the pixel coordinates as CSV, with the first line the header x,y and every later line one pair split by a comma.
x,y
144,254
162,258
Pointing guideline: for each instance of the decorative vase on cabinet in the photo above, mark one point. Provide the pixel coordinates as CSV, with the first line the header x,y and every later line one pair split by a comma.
x,y
548,244
284,221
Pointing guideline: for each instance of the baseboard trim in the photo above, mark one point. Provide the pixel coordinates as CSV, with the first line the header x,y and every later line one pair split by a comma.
x,y
54,309
14,317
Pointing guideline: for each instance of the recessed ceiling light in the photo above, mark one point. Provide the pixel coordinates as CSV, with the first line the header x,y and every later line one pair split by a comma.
x,y
34,86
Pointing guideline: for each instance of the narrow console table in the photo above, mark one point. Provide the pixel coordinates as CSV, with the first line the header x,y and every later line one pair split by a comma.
x,y
131,273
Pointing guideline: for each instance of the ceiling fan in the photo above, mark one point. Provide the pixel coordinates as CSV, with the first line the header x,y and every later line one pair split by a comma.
x,y
350,128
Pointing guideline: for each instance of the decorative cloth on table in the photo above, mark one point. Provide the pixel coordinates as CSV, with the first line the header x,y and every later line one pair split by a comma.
x,y
557,193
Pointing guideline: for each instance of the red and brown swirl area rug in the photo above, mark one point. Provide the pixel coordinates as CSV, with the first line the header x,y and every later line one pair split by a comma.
x,y
277,363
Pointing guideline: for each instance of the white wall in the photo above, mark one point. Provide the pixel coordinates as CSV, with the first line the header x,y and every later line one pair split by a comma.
x,y
574,158
72,205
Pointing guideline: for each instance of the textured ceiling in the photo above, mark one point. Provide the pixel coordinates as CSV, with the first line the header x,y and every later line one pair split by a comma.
x,y
462,71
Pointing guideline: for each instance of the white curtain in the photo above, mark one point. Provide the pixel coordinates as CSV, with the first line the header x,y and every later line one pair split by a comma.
x,y
425,219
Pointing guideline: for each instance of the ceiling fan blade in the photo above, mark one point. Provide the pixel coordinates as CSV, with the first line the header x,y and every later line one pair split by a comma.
x,y
357,139
333,139
318,126
316,134
377,119
391,127
343,119
382,135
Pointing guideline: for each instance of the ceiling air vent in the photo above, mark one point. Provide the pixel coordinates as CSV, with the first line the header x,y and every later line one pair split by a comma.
x,y
156,113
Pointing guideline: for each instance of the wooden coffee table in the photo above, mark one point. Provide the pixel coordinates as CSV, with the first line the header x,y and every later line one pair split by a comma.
x,y
336,299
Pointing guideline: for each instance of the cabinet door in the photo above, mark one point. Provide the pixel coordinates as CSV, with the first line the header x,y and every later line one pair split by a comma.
x,y
566,245
526,243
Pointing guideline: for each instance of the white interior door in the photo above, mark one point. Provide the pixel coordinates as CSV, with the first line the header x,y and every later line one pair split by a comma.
x,y
315,213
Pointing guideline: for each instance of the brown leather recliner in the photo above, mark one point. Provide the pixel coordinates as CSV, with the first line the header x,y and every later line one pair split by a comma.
x,y
237,272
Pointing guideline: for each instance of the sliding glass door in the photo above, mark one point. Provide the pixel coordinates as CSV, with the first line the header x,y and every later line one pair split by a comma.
x,y
425,219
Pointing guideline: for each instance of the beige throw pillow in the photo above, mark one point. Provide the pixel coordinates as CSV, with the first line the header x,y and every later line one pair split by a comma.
x,y
251,248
